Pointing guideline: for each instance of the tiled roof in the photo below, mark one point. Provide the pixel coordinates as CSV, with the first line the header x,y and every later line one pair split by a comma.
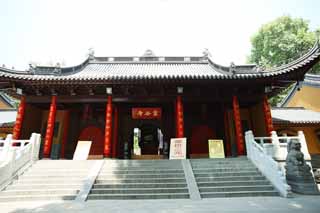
x,y
312,80
159,68
294,115
7,125
7,99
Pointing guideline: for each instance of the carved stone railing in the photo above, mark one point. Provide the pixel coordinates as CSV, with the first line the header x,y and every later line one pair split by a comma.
x,y
16,156
257,153
276,146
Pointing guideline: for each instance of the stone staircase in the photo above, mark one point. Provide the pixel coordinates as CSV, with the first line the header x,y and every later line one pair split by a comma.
x,y
230,177
140,179
48,180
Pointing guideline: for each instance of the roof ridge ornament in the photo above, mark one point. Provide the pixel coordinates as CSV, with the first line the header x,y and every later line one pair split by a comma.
x,y
232,68
57,69
148,53
91,53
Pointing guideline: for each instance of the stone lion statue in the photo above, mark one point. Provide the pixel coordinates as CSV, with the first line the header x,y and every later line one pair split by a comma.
x,y
295,157
298,173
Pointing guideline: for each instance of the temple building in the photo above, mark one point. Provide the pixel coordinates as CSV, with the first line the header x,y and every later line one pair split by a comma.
x,y
107,99
8,115
300,111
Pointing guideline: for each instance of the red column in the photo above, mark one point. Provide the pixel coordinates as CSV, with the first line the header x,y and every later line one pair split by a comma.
x,y
108,129
238,126
19,118
267,115
50,127
179,118
115,133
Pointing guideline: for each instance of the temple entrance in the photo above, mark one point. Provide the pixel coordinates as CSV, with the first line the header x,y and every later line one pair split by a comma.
x,y
147,142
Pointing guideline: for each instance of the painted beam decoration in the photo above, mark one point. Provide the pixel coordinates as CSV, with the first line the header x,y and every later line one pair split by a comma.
x,y
146,113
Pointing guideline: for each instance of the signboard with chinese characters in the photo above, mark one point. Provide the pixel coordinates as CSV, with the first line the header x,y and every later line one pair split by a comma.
x,y
178,148
146,113
216,149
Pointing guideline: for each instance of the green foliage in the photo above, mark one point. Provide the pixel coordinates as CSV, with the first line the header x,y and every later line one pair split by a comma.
x,y
281,41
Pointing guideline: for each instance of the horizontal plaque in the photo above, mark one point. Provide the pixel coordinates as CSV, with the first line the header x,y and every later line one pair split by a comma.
x,y
146,113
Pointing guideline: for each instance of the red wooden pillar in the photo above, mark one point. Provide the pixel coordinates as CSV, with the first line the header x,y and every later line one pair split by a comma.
x,y
108,128
179,118
50,127
115,133
238,126
19,118
267,115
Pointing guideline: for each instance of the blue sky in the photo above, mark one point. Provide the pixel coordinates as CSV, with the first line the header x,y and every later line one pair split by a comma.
x,y
44,31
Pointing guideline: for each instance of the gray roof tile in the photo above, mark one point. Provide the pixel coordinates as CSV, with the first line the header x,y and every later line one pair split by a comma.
x,y
295,116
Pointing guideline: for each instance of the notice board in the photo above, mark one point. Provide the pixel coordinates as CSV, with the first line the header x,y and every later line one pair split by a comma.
x,y
178,148
216,149
82,150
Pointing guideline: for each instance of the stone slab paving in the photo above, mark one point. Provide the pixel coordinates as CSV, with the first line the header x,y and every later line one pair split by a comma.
x,y
248,204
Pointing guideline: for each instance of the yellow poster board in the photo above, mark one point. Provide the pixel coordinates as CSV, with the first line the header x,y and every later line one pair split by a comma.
x,y
216,149
82,150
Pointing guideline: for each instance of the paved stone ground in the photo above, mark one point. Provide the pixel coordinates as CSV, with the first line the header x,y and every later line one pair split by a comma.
x,y
251,204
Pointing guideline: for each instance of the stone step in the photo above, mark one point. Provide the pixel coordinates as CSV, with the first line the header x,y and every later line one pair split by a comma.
x,y
174,165
43,186
140,191
227,174
142,172
49,176
37,198
223,170
236,188
45,171
233,183
239,194
221,164
73,180
41,192
135,167
137,196
140,176
230,178
223,160
138,185
145,180
57,167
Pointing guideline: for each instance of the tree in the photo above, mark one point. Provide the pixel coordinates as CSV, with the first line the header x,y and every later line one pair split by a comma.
x,y
281,41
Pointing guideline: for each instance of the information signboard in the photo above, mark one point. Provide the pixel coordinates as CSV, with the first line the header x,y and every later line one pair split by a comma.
x,y
82,150
216,149
178,148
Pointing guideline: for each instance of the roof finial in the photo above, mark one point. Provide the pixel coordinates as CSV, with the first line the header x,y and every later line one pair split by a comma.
x,y
148,53
232,68
91,53
206,53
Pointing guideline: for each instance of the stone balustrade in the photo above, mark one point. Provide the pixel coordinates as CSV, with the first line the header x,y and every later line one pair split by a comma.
x,y
16,156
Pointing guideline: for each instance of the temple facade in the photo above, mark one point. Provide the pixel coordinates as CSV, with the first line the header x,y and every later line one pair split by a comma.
x,y
110,100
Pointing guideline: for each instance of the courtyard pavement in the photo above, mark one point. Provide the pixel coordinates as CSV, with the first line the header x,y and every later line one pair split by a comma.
x,y
245,204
